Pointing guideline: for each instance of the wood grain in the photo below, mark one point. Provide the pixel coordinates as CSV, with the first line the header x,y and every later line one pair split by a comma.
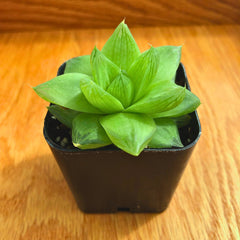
x,y
26,15
35,202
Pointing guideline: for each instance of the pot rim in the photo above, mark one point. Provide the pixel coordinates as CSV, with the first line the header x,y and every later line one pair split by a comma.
x,y
190,145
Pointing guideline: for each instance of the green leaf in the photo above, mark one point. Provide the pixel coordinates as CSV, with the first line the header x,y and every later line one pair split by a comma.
x,y
168,62
182,121
166,135
87,133
79,65
130,132
104,71
143,71
162,97
99,98
65,91
188,105
64,115
121,47
122,89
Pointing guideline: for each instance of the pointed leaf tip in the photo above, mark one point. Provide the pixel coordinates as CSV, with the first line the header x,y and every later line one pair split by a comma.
x,y
64,90
99,98
189,104
163,97
130,132
64,115
103,70
169,59
143,71
121,47
122,89
87,133
79,65
166,135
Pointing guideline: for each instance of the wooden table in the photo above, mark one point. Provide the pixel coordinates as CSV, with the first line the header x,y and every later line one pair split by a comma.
x,y
35,202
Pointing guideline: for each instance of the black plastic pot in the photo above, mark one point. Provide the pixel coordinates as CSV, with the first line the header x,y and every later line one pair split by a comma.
x,y
109,180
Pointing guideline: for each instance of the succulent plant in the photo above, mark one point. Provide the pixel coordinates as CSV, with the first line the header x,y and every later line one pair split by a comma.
x,y
121,96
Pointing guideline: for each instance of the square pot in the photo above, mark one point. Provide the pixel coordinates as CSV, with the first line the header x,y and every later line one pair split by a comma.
x,y
109,180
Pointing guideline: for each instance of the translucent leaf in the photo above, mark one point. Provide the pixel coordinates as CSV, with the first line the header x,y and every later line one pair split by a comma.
x,y
99,97
104,71
87,132
166,135
65,91
188,105
79,65
121,47
122,89
130,132
143,71
161,98
64,115
182,121
168,62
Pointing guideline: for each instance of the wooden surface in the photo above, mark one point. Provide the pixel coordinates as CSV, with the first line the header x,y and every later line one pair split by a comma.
x,y
35,202
34,15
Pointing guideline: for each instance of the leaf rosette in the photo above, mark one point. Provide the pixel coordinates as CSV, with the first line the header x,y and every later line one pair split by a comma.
x,y
121,96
